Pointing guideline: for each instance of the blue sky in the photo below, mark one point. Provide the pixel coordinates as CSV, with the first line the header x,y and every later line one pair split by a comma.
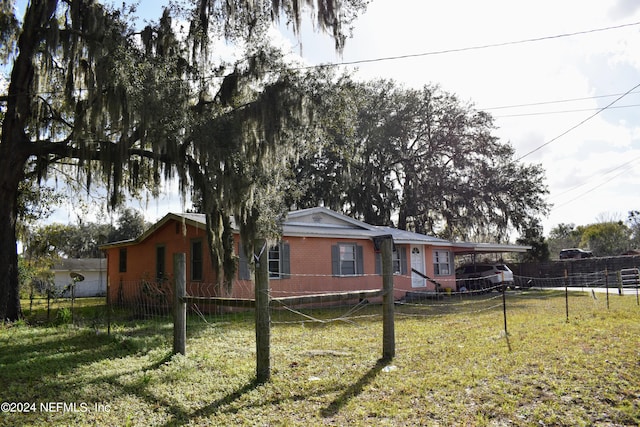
x,y
592,171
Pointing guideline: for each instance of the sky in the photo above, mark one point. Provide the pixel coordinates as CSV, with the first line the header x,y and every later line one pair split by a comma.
x,y
569,101
591,159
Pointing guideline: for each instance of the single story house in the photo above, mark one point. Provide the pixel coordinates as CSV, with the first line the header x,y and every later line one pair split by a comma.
x,y
321,251
92,271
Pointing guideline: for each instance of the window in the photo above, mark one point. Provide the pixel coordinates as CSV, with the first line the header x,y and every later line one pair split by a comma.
x,y
346,259
122,264
160,262
278,259
274,262
441,263
399,260
196,260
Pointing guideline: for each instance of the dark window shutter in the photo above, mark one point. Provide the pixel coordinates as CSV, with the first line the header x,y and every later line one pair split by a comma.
x,y
285,261
378,263
403,260
359,260
243,265
335,260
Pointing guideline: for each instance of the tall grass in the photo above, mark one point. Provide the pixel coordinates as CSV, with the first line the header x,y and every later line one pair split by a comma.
x,y
454,366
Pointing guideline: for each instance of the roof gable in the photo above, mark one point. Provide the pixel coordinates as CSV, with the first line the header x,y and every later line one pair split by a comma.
x,y
323,217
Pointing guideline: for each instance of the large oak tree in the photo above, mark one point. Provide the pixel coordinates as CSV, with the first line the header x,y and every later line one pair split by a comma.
x,y
131,107
423,158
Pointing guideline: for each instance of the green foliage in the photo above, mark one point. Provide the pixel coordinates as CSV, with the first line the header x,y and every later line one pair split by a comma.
x,y
563,236
606,238
633,222
93,95
533,236
63,316
422,155
53,241
8,30
130,224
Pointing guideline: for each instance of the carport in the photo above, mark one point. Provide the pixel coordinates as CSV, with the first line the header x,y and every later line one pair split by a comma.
x,y
474,249
468,254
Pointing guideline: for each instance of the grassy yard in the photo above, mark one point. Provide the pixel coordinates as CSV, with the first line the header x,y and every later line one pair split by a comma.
x,y
454,366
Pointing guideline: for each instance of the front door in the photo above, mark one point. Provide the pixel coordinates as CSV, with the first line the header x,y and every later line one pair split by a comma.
x,y
417,263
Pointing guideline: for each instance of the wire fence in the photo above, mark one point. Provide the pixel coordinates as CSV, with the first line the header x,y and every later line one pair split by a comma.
x,y
295,303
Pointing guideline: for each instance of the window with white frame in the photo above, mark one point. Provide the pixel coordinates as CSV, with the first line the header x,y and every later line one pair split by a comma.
x,y
274,262
399,260
347,260
397,269
441,263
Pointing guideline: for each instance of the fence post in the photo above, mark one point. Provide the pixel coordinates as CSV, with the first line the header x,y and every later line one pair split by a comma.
x,y
606,284
388,328
108,306
504,305
179,305
566,293
637,286
262,315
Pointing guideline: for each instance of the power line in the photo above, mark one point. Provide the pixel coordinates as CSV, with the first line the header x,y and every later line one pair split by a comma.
x,y
431,53
468,48
593,188
602,174
542,113
558,101
578,124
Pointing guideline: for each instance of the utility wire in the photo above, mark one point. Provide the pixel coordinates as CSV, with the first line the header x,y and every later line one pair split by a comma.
x,y
558,101
579,123
542,113
593,188
476,47
416,55
602,174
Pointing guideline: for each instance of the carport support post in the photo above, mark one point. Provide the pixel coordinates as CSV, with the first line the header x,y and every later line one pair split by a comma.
x,y
179,304
263,316
388,330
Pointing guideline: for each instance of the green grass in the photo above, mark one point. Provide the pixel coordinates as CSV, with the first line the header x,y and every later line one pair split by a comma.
x,y
454,365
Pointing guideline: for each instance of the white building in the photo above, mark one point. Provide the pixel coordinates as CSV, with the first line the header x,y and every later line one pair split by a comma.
x,y
92,271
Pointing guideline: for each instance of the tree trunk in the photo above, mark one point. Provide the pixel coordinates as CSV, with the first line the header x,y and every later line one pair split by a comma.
x,y
14,150
11,175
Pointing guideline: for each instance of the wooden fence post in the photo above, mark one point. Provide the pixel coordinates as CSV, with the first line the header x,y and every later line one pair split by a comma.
x,y
262,315
566,294
388,328
179,304
108,306
504,305
606,284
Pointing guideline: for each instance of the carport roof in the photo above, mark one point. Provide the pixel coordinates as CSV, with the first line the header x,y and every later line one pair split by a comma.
x,y
488,248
